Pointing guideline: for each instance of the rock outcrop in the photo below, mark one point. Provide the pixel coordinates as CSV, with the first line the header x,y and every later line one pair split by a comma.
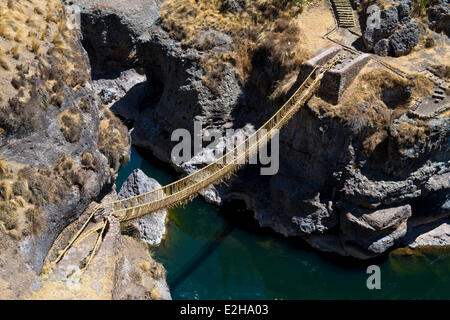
x,y
60,146
439,16
152,227
331,189
122,269
390,31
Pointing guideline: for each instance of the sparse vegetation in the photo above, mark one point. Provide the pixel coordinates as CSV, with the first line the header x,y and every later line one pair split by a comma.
x,y
429,42
40,59
71,123
113,140
15,52
419,8
377,98
441,70
135,275
252,29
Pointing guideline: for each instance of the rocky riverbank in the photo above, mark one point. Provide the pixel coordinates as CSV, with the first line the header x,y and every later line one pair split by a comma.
x,y
357,179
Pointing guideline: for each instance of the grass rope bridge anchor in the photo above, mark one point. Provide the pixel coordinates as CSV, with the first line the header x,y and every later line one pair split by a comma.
x,y
187,188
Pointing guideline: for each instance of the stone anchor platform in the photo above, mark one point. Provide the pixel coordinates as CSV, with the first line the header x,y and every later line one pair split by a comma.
x,y
338,79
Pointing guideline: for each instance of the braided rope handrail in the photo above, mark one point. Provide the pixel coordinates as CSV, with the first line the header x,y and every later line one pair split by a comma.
x,y
188,187
178,191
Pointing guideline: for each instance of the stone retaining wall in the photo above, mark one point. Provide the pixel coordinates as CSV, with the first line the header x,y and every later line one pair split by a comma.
x,y
335,81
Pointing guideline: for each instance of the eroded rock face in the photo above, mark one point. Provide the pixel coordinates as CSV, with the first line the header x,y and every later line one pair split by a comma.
x,y
439,16
152,227
111,29
179,93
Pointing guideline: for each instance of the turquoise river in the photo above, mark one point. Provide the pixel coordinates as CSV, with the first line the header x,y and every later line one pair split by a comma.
x,y
211,254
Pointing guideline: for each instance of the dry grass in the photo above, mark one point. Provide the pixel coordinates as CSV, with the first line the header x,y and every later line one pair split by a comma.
x,y
251,29
35,46
4,64
18,217
113,140
39,59
15,52
441,70
45,185
28,30
6,189
71,124
409,135
363,105
3,167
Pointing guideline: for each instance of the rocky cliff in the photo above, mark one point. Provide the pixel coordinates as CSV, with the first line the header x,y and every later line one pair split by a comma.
x,y
355,179
61,148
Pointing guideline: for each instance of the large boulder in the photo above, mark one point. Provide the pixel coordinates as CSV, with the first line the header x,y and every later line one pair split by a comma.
x,y
404,40
368,233
439,16
391,30
380,24
152,227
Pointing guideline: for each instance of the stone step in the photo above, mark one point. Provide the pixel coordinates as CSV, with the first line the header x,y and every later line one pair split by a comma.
x,y
438,96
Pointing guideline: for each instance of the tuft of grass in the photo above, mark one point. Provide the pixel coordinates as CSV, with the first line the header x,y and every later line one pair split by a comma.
x,y
429,42
135,275
8,216
43,32
89,162
3,167
145,266
35,46
20,188
419,8
6,30
38,11
36,219
4,64
6,189
59,43
113,140
20,35
71,123
15,51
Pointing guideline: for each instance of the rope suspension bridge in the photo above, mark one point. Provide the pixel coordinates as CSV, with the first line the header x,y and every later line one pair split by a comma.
x,y
188,187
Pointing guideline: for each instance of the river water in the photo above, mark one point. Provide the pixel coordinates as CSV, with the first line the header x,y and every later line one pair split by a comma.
x,y
212,254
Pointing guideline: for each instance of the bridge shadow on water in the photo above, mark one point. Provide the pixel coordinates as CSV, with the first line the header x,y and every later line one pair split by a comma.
x,y
200,257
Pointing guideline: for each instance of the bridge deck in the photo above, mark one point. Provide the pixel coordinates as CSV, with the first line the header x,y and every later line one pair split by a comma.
x,y
188,187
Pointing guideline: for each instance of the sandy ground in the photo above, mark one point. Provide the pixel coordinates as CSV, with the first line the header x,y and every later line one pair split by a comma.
x,y
315,21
